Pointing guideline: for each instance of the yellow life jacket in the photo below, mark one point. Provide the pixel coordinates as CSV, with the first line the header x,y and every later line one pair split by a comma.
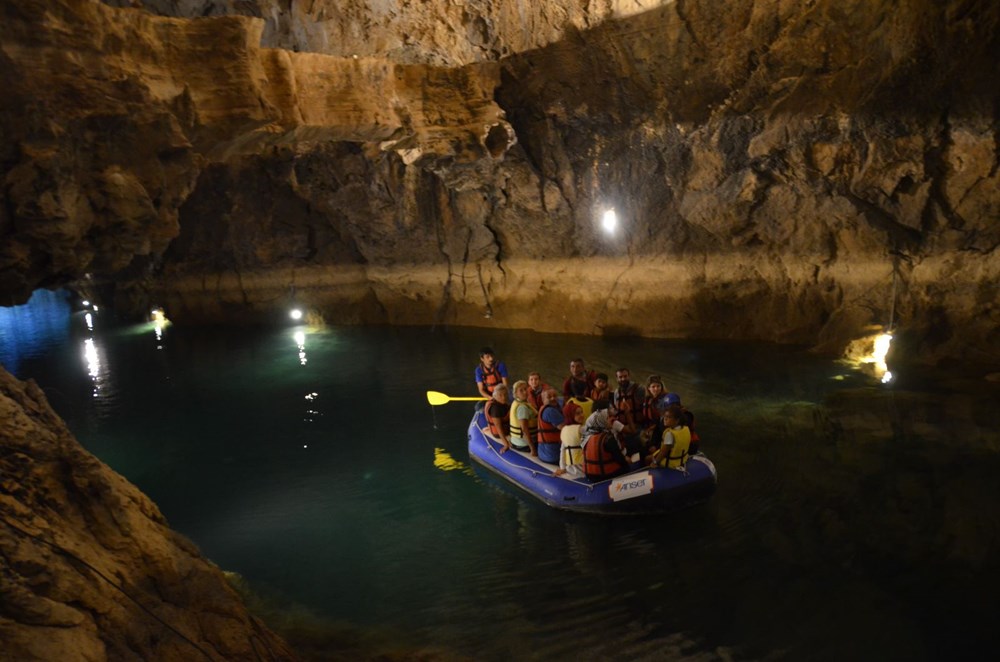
x,y
679,451
515,423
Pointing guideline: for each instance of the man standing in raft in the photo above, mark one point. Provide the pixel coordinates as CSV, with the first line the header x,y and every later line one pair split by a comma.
x,y
490,372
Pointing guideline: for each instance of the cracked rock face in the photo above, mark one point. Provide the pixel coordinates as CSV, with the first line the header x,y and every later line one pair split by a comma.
x,y
781,171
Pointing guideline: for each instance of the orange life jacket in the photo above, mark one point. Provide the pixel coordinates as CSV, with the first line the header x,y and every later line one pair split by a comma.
x,y
498,416
491,377
548,433
599,463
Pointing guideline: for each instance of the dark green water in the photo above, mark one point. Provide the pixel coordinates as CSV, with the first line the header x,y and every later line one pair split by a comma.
x,y
853,520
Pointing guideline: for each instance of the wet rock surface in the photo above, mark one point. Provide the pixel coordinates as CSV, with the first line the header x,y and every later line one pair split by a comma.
x,y
91,571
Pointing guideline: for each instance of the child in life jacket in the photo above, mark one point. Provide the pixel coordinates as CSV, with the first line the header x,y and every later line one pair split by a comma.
x,y
676,440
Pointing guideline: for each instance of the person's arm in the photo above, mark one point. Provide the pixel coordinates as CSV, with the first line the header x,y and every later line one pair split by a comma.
x,y
525,427
553,416
520,411
664,450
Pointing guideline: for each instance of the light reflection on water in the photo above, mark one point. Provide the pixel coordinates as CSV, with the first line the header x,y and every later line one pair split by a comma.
x,y
844,506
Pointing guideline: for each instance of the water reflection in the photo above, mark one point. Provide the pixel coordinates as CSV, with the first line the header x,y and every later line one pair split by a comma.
x,y
32,329
300,342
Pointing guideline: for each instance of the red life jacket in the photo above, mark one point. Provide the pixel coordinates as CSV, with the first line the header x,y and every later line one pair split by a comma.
x,y
536,398
491,377
498,416
649,410
548,433
629,402
598,463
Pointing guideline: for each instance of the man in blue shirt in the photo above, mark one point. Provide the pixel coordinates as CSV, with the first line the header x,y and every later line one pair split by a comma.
x,y
490,372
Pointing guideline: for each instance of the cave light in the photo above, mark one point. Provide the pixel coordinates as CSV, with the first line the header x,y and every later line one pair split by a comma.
x,y
90,321
295,314
882,344
160,322
870,352
85,303
609,221
879,352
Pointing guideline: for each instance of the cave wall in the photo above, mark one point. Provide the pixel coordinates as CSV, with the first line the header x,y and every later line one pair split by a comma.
x,y
90,569
795,172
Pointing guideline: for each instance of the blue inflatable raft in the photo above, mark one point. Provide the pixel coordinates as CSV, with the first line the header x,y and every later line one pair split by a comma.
x,y
644,490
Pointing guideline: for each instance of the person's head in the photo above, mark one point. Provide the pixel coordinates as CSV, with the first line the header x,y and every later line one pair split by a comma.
x,y
578,388
672,399
487,357
577,415
622,375
500,393
654,386
550,396
576,368
673,416
600,381
534,380
520,389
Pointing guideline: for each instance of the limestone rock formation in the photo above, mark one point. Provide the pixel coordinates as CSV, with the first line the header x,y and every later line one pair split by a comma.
x,y
795,172
90,568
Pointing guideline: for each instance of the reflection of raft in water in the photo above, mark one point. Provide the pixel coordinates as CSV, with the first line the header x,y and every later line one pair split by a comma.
x,y
644,490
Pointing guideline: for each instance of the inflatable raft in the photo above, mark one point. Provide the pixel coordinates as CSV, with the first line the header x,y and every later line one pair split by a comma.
x,y
644,490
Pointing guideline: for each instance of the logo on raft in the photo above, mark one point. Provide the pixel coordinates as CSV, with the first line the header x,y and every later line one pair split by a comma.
x,y
628,487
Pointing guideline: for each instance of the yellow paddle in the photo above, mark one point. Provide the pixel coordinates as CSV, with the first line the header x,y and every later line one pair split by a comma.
x,y
436,398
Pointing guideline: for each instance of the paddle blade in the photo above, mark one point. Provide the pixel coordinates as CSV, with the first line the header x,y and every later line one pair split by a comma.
x,y
435,398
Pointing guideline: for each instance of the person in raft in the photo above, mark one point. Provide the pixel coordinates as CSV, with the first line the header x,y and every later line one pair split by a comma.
x,y
536,386
626,403
571,447
523,420
601,393
490,372
550,424
497,412
687,418
652,412
673,450
579,375
603,447
578,398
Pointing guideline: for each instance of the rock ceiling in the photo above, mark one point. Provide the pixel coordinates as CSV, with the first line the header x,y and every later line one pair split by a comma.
x,y
783,171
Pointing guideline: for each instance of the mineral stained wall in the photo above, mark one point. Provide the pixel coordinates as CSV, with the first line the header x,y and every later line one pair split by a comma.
x,y
795,172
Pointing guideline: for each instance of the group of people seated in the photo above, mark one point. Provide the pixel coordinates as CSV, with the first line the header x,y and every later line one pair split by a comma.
x,y
589,430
